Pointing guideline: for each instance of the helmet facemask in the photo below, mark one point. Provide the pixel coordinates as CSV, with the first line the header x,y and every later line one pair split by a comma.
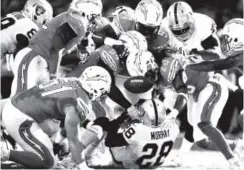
x,y
95,95
147,31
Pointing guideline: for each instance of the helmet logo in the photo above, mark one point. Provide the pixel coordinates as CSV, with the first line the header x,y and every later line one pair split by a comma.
x,y
144,11
40,10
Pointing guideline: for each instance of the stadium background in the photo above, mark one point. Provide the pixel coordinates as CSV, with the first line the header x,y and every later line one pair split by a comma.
x,y
220,10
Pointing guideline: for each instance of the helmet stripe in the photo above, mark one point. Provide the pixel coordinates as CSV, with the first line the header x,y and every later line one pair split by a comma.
x,y
156,112
175,13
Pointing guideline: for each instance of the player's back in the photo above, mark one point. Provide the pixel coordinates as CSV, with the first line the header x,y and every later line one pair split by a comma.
x,y
149,146
57,33
46,101
16,28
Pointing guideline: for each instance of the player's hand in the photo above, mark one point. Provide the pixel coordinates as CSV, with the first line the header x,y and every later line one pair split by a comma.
x,y
133,112
60,151
173,114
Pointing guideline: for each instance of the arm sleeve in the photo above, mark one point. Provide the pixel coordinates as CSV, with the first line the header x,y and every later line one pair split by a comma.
x,y
117,96
216,65
210,42
115,140
99,36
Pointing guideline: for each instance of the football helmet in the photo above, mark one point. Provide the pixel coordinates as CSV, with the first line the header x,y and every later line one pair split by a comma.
x,y
91,9
39,11
96,81
181,21
133,41
122,10
152,112
232,36
140,63
148,16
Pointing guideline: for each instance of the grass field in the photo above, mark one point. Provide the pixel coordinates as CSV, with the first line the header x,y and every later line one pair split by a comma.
x,y
193,160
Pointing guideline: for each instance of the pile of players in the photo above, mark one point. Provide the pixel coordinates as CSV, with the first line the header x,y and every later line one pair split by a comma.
x,y
132,69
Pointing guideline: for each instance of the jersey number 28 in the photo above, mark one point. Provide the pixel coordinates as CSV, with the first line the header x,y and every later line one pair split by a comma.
x,y
158,152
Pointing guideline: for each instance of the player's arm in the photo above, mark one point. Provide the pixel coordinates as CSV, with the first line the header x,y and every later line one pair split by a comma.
x,y
210,43
113,138
104,35
181,89
215,65
71,122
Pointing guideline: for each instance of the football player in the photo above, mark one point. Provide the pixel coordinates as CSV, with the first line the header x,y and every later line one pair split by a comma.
x,y
67,99
143,139
206,97
191,32
232,47
17,28
193,35
39,61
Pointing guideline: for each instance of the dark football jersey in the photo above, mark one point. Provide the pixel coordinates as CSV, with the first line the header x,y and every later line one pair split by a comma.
x,y
47,101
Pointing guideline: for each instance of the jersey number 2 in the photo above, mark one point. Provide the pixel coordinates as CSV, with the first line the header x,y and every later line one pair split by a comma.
x,y
163,153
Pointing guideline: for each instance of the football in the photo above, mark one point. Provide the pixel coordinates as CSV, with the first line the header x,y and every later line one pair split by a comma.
x,y
138,84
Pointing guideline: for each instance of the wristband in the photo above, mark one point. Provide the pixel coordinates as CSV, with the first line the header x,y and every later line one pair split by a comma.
x,y
110,41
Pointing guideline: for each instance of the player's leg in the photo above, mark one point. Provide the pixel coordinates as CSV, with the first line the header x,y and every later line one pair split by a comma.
x,y
18,67
38,149
32,69
211,109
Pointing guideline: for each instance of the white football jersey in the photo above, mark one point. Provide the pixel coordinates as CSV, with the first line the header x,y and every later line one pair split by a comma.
x,y
12,26
204,27
148,146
